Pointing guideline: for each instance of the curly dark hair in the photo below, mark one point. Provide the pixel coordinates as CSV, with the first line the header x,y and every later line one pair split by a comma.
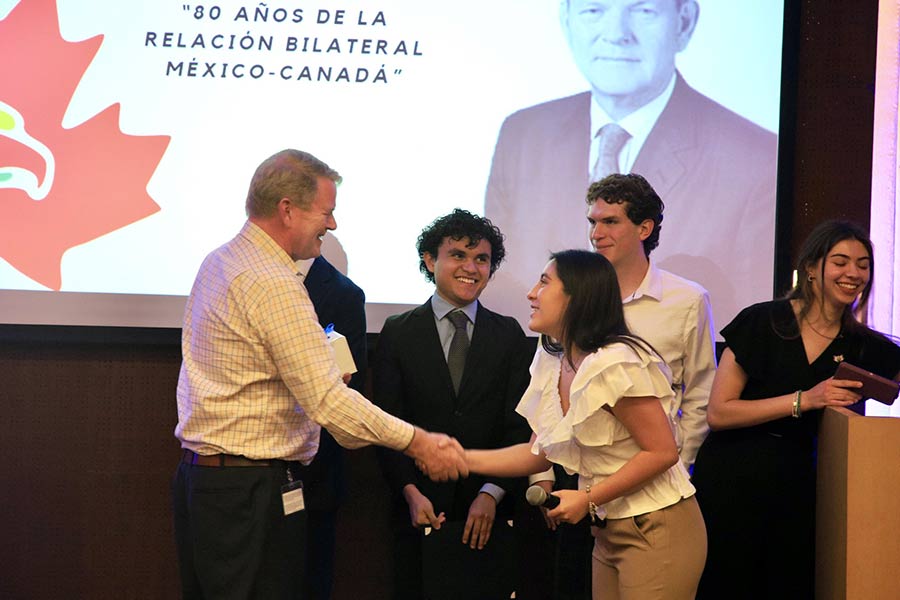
x,y
640,199
458,225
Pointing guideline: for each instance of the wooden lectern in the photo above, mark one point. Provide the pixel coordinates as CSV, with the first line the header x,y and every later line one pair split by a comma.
x,y
858,507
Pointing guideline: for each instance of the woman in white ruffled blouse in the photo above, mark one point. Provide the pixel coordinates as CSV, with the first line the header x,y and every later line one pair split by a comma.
x,y
598,404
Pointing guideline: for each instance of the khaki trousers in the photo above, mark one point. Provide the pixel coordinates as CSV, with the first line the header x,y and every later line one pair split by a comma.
x,y
655,556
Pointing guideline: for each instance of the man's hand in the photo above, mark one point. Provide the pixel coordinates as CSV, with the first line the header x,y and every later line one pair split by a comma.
x,y
480,521
438,455
421,511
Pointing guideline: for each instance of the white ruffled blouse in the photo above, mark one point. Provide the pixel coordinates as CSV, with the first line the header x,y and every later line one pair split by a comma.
x,y
589,440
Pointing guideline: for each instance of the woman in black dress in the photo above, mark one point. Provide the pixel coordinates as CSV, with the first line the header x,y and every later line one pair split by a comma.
x,y
755,472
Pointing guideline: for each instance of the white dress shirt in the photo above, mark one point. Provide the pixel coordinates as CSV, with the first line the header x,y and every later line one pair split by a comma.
x,y
674,315
591,441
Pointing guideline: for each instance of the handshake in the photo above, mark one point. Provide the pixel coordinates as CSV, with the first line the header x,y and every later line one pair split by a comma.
x,y
438,455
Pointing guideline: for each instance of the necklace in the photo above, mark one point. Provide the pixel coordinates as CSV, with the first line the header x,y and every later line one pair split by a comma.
x,y
819,333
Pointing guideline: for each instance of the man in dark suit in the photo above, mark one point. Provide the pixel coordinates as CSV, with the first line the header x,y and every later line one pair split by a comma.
x,y
339,302
418,374
715,169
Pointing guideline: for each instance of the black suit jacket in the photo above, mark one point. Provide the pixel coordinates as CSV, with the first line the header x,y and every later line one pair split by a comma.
x,y
341,302
412,381
713,169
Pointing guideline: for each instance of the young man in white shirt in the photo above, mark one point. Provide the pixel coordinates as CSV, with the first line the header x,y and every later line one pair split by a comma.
x,y
670,312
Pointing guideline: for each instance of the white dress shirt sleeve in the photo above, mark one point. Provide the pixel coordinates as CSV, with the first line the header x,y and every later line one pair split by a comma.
x,y
699,371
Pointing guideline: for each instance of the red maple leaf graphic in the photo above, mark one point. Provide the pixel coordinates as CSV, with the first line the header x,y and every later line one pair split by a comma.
x,y
101,174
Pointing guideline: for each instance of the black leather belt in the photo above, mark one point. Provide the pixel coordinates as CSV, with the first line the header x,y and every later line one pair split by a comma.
x,y
222,460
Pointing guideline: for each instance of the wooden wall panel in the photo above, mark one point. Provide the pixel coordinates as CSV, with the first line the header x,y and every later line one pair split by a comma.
x,y
87,447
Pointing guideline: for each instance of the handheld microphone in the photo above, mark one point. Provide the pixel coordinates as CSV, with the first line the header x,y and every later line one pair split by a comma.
x,y
536,496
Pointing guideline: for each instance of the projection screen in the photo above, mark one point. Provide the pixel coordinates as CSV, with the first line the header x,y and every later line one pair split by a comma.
x,y
129,132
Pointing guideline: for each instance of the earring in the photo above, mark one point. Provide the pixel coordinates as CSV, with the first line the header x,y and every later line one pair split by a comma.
x,y
810,278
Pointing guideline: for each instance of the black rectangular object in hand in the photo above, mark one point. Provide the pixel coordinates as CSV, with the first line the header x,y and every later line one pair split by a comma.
x,y
874,386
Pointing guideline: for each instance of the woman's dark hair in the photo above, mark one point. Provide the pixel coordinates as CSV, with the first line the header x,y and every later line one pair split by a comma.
x,y
814,250
594,317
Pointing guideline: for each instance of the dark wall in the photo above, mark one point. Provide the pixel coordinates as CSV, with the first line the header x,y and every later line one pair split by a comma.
x,y
830,134
87,451
86,445
86,455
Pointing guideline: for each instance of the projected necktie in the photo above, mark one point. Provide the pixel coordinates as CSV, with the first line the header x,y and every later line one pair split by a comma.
x,y
611,138
459,346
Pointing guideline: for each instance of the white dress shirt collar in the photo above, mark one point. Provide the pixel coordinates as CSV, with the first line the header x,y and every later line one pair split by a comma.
x,y
651,285
303,266
638,124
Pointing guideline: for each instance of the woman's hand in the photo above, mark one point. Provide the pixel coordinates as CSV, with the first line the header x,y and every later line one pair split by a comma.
x,y
573,506
830,392
547,486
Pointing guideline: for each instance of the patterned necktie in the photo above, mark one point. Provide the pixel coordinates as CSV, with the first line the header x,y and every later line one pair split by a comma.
x,y
459,346
610,140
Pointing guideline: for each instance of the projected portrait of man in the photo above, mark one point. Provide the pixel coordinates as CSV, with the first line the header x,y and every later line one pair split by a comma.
x,y
714,169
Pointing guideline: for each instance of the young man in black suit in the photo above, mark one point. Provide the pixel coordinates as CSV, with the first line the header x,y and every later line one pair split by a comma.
x,y
339,302
422,374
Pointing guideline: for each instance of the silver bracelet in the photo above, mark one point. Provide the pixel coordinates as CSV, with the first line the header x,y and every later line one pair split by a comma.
x,y
592,508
